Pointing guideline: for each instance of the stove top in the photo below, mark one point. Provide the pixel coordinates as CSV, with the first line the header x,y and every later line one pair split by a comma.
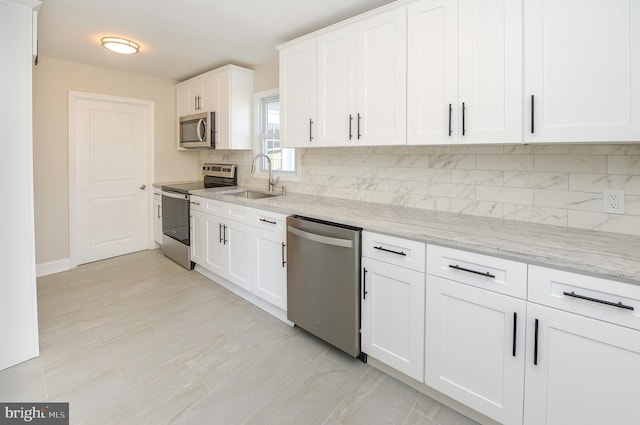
x,y
215,175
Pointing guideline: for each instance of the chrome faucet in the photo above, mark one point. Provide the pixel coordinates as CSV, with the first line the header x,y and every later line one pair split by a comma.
x,y
271,183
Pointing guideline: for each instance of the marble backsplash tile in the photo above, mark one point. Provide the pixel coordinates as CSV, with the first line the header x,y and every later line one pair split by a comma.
x,y
559,184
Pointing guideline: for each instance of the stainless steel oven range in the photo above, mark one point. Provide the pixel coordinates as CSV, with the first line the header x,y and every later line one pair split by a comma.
x,y
176,234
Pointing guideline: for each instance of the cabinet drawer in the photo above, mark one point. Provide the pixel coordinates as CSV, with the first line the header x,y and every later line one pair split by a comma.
x,y
197,203
392,250
487,272
604,299
268,220
227,210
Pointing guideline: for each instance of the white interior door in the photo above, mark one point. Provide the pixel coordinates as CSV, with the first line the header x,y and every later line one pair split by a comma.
x,y
109,141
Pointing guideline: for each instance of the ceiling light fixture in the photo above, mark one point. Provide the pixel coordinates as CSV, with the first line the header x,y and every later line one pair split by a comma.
x,y
120,45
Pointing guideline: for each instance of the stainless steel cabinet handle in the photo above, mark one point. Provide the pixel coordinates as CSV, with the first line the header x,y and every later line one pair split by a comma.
x,y
359,117
450,112
220,231
350,123
159,209
327,240
224,234
457,267
267,221
310,131
195,203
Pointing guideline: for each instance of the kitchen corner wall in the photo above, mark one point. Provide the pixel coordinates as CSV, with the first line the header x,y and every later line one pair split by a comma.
x,y
558,184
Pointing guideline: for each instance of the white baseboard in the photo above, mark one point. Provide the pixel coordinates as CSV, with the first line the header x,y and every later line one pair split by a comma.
x,y
45,269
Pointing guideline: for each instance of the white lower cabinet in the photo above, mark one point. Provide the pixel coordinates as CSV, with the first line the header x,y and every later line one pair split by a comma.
x,y
237,244
580,370
392,311
583,350
248,250
197,236
270,264
221,245
474,347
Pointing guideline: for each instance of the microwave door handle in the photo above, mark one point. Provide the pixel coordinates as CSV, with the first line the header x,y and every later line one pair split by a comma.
x,y
202,134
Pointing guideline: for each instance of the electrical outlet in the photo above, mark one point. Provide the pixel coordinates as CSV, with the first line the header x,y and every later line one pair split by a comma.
x,y
613,201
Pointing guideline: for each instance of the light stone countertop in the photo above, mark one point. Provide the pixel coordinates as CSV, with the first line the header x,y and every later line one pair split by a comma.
x,y
603,254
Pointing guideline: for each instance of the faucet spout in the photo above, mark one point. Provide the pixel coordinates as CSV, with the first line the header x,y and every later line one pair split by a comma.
x,y
270,184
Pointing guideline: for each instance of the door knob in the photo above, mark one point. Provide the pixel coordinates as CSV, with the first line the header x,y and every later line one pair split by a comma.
x,y
143,186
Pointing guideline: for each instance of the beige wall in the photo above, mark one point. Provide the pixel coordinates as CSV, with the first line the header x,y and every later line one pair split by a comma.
x,y
52,80
266,76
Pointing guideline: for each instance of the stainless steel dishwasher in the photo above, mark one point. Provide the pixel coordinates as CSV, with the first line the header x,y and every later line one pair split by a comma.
x,y
323,281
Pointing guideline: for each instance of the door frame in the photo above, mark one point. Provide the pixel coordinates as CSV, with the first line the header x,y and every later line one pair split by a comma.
x,y
74,97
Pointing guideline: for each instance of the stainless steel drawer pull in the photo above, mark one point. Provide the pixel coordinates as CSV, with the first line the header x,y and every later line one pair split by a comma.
x,y
595,300
268,221
195,203
486,274
391,251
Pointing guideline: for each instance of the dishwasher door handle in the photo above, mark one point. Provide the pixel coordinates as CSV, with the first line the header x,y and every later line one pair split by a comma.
x,y
326,240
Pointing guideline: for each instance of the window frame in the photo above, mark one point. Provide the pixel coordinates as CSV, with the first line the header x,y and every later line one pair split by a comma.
x,y
261,173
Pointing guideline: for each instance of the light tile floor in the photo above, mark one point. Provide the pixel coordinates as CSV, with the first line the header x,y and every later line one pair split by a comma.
x,y
139,340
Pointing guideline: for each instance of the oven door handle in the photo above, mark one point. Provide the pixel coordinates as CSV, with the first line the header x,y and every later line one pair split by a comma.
x,y
175,195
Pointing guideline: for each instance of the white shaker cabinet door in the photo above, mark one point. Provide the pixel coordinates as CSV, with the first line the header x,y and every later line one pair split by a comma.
x,y
585,372
215,253
474,347
298,95
198,238
465,72
337,112
392,308
237,238
382,79
582,71
432,72
157,218
490,71
270,274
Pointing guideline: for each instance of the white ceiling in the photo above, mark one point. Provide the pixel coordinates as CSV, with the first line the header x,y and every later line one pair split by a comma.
x,y
183,38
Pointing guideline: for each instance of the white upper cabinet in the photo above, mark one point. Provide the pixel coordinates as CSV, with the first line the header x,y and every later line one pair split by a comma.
x,y
382,79
196,95
582,71
233,107
354,77
337,87
227,91
298,94
464,71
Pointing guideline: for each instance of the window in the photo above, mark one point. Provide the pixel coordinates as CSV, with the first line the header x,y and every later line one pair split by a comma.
x,y
283,160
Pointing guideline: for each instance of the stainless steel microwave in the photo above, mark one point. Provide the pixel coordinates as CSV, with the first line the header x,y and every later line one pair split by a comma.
x,y
198,131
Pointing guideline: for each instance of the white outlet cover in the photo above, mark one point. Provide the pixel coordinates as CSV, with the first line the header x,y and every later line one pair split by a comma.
x,y
607,204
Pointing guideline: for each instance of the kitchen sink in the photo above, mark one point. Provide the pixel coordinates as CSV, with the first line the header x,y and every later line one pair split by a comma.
x,y
252,194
